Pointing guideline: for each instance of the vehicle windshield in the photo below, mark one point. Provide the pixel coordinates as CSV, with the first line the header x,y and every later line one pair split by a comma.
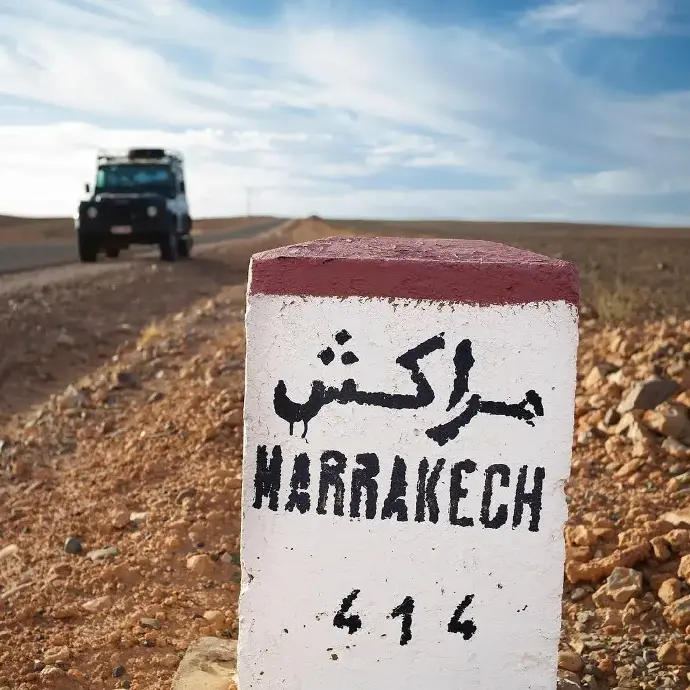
x,y
135,178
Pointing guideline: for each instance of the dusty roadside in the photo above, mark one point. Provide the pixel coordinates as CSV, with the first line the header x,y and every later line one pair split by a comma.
x,y
58,323
121,404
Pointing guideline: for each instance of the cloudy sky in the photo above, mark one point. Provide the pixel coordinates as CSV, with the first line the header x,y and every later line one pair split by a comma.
x,y
562,109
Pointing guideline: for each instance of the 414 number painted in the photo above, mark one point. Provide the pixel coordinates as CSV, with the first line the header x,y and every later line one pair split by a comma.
x,y
352,622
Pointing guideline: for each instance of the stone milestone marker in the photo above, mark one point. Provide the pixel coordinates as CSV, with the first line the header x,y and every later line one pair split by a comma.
x,y
408,426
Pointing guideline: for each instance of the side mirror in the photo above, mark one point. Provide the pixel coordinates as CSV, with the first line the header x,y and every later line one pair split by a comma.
x,y
87,188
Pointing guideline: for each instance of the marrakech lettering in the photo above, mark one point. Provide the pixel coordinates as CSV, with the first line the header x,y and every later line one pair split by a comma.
x,y
364,498
322,395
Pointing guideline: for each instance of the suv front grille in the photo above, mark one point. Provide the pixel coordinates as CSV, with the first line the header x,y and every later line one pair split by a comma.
x,y
120,214
115,213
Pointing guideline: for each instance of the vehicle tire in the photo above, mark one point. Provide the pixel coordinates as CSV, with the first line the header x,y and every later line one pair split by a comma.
x,y
185,245
170,247
88,250
112,253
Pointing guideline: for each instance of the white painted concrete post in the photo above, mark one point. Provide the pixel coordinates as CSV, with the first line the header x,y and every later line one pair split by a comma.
x,y
408,427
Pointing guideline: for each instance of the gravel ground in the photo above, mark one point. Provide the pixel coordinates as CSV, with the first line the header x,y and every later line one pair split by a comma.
x,y
120,465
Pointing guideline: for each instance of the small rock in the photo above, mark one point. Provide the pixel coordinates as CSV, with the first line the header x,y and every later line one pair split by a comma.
x,y
119,671
684,567
579,535
229,558
565,684
77,675
579,593
678,613
138,519
669,591
622,585
647,395
50,673
120,519
670,420
150,623
678,539
678,518
172,661
65,339
662,551
629,468
570,661
597,375
72,545
8,551
676,449
73,398
102,554
172,542
55,654
215,617
98,604
598,568
209,663
201,564
674,654
678,482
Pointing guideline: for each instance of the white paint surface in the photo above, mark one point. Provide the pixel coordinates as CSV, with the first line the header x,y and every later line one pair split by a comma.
x,y
297,568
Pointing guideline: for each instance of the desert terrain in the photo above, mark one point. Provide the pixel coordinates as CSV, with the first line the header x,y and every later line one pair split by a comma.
x,y
121,391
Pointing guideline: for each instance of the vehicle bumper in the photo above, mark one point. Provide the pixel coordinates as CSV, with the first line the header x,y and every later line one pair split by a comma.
x,y
124,235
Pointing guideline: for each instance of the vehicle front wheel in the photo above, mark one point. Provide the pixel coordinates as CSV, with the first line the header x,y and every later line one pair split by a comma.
x,y
112,253
185,244
88,250
170,247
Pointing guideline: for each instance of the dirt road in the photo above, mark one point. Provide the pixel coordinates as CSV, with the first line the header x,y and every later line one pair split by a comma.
x,y
58,323
24,257
50,265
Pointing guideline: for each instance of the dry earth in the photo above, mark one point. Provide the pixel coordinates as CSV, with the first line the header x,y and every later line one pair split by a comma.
x,y
621,267
120,461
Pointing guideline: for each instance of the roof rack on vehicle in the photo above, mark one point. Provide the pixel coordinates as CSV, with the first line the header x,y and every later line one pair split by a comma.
x,y
140,155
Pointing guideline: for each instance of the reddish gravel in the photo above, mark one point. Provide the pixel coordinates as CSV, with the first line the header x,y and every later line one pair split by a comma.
x,y
121,398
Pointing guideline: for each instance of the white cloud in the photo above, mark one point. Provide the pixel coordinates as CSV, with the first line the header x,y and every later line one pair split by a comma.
x,y
385,118
610,17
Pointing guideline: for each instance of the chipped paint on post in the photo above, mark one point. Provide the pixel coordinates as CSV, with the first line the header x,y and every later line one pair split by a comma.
x,y
404,463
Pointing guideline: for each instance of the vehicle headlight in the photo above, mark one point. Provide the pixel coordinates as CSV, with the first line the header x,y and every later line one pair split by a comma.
x,y
92,212
152,211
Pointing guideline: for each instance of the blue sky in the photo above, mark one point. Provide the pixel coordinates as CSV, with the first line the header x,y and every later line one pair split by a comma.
x,y
517,109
